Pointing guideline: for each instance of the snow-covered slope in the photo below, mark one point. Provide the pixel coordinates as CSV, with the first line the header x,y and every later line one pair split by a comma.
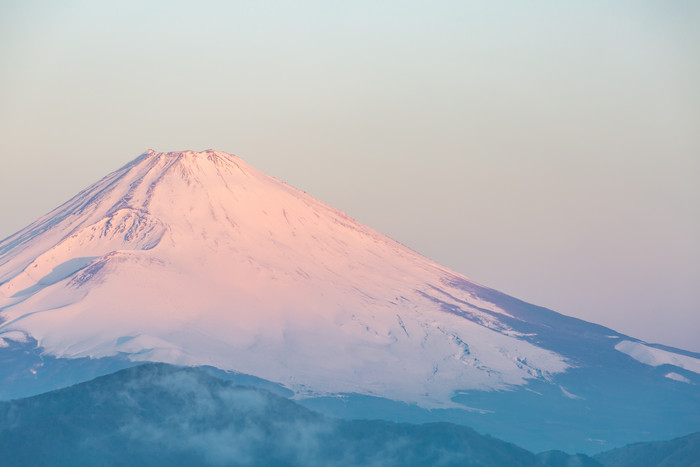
x,y
197,258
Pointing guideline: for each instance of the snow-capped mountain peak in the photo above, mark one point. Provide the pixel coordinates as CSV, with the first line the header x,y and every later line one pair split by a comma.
x,y
198,258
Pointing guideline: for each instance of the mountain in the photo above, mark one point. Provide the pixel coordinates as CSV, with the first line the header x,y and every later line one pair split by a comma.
x,y
197,258
156,414
680,452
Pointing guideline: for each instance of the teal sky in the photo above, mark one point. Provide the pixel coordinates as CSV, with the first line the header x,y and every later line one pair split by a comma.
x,y
547,149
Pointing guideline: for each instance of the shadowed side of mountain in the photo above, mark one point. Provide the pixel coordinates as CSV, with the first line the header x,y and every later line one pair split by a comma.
x,y
28,371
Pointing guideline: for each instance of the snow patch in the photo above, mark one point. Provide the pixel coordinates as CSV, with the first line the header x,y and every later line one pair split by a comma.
x,y
677,377
14,336
568,394
655,357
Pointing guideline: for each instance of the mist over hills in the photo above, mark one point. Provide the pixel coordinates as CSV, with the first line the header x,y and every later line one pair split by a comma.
x,y
159,414
156,414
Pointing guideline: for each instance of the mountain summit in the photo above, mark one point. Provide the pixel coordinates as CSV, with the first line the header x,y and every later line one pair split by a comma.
x,y
197,258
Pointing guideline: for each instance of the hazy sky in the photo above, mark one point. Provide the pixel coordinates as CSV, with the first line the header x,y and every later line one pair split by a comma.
x,y
547,149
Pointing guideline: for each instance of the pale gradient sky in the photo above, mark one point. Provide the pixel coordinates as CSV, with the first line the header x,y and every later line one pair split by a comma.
x,y
547,149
